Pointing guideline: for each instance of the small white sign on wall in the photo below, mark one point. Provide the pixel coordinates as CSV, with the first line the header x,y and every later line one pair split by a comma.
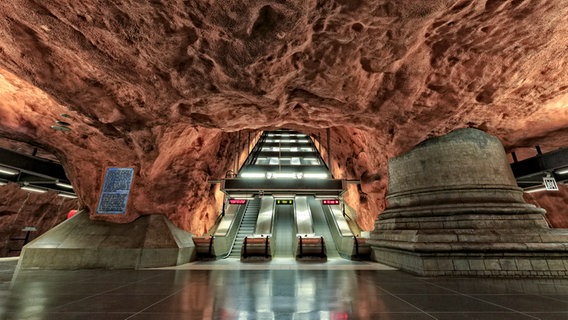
x,y
550,183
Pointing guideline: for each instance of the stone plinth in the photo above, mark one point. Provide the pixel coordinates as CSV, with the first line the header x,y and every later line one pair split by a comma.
x,y
81,243
454,208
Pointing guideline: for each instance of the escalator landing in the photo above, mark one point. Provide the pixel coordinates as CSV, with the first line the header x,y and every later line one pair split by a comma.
x,y
281,264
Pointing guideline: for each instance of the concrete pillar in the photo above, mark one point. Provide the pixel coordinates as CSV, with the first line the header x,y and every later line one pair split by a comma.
x,y
454,208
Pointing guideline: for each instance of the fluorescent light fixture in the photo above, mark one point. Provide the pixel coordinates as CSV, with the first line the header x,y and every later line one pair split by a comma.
x,y
248,196
34,189
284,175
64,185
315,176
67,195
534,189
9,171
562,171
252,175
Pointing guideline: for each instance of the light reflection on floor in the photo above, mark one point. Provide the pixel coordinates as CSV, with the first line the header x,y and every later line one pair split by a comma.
x,y
276,293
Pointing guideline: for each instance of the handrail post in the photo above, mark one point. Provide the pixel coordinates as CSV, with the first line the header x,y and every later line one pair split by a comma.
x,y
245,248
322,247
211,246
266,247
301,249
356,246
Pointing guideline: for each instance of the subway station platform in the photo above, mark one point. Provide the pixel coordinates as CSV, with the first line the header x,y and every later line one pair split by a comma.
x,y
311,291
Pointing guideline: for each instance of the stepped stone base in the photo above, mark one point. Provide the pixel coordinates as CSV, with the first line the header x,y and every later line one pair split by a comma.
x,y
81,243
454,210
512,252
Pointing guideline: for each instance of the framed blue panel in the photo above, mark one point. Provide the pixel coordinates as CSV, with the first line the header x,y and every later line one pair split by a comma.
x,y
116,188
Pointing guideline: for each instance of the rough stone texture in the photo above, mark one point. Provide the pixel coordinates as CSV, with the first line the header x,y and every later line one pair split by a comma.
x,y
454,199
555,203
80,243
164,85
19,208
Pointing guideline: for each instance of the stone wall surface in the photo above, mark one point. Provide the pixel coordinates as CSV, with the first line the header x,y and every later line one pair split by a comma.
x,y
164,86
19,209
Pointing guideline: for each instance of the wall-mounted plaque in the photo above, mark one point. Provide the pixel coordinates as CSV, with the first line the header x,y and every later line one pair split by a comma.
x,y
116,188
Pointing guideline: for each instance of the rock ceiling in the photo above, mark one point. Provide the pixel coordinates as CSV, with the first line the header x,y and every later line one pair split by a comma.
x,y
164,85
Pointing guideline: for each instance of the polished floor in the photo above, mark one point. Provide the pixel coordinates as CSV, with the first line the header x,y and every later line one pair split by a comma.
x,y
281,290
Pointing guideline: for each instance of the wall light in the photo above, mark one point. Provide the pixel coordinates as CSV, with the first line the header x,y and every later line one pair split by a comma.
x,y
9,171
534,189
34,189
66,195
64,185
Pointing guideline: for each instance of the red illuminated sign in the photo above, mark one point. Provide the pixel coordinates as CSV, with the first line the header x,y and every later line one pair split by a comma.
x,y
330,202
237,201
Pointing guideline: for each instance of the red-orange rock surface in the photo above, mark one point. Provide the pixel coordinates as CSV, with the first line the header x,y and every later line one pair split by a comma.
x,y
164,85
19,209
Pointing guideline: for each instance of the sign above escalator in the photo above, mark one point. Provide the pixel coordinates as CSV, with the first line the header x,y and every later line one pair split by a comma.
x,y
237,201
330,202
284,201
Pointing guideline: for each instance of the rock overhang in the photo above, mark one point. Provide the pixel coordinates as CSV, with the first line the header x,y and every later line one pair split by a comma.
x,y
164,87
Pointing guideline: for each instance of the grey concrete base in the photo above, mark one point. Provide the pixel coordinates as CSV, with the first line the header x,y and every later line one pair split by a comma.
x,y
81,243
493,264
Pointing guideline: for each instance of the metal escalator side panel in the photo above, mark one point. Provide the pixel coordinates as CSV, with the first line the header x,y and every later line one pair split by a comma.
x,y
265,216
230,223
227,221
304,221
323,227
340,222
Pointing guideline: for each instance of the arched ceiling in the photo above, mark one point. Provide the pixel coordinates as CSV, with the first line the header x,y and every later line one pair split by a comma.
x,y
161,85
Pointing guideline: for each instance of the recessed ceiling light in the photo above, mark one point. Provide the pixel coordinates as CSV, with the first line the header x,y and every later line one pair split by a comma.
x,y
65,115
62,123
252,175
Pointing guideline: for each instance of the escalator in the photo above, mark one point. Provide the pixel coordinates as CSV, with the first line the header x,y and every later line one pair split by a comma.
x,y
246,228
321,227
284,233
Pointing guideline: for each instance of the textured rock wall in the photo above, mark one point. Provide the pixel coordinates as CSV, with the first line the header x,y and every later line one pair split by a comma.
x,y
19,208
555,203
164,85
